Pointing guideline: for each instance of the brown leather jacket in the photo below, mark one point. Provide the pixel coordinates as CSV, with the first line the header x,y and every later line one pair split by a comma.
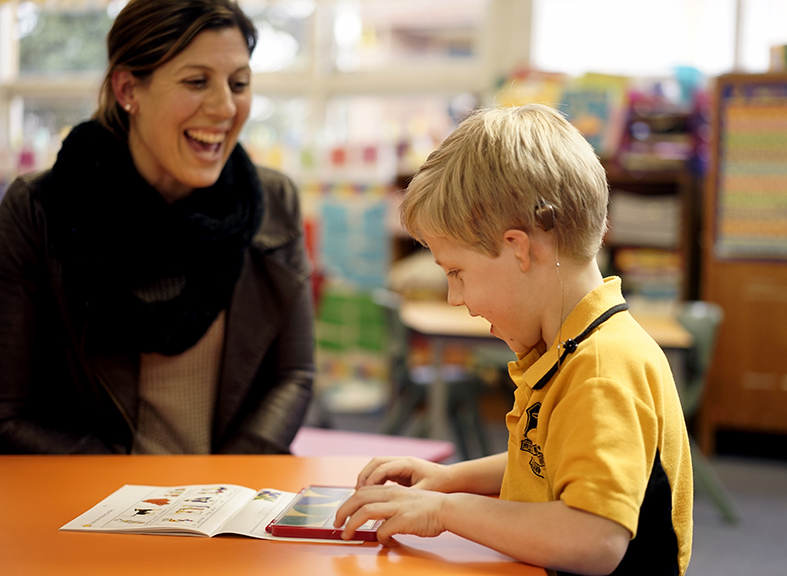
x,y
57,395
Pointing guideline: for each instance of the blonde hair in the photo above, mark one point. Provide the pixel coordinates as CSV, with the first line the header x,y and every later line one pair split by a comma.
x,y
493,172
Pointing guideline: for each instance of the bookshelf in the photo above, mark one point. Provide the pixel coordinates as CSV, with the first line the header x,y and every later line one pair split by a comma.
x,y
745,257
653,238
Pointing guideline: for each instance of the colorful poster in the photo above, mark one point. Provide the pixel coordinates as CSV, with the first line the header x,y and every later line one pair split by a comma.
x,y
751,220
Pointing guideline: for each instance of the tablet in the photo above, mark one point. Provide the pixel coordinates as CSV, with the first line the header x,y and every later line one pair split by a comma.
x,y
312,512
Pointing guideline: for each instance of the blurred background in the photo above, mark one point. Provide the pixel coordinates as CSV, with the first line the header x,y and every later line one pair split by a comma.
x,y
685,101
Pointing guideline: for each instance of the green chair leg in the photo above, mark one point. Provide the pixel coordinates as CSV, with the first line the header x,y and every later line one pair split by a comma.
x,y
403,410
706,479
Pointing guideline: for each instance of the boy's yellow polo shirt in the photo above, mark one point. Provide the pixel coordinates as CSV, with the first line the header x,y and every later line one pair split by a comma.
x,y
606,434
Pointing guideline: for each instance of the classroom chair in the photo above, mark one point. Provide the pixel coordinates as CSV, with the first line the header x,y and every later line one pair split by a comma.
x,y
702,319
410,384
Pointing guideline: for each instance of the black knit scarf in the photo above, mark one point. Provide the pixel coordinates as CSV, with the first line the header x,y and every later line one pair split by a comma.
x,y
117,237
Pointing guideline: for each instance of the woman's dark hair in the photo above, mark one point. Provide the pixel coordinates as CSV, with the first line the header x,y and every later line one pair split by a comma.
x,y
149,33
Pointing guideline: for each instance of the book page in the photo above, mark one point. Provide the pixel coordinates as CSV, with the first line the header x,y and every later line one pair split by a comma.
x,y
197,510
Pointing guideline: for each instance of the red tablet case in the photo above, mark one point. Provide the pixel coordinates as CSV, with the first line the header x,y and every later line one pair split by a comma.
x,y
311,514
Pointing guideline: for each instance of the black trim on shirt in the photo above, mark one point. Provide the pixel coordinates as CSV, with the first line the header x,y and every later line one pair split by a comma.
x,y
654,551
571,344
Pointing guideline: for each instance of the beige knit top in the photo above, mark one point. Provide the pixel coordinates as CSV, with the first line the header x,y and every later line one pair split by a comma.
x,y
177,396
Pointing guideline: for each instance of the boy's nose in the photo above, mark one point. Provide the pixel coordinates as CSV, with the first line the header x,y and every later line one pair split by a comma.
x,y
455,297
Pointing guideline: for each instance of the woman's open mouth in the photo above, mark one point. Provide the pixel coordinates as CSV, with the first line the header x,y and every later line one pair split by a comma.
x,y
204,141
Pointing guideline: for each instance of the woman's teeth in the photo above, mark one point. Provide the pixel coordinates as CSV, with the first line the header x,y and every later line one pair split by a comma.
x,y
206,137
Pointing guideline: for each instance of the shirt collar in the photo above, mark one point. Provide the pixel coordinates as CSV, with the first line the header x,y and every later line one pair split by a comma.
x,y
531,365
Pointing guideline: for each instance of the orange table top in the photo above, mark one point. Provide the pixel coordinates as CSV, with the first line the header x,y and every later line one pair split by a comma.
x,y
41,493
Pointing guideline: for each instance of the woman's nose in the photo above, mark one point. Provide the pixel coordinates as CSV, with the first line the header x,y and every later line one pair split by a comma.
x,y
221,103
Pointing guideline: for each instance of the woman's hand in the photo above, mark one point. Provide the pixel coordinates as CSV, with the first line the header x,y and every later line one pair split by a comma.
x,y
404,511
408,471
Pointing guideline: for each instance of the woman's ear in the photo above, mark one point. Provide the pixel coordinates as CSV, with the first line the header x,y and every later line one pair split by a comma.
x,y
124,85
519,243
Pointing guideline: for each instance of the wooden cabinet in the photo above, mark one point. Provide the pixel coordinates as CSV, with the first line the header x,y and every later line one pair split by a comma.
x,y
745,257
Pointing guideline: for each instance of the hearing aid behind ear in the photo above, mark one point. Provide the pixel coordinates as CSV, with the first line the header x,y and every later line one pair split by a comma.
x,y
545,216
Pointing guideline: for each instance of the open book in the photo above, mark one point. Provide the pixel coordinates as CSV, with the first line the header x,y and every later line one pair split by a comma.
x,y
212,509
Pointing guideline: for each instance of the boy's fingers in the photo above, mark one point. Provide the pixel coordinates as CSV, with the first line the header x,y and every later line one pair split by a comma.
x,y
398,470
345,510
368,470
357,501
373,511
379,475
388,529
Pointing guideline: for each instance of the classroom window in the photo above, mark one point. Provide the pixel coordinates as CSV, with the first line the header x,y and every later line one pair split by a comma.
x,y
652,37
62,39
285,33
372,33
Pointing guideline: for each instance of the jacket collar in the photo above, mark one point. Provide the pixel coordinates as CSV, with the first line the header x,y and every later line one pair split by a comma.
x,y
264,295
269,286
279,226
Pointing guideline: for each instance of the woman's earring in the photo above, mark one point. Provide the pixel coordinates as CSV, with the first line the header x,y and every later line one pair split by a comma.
x,y
127,107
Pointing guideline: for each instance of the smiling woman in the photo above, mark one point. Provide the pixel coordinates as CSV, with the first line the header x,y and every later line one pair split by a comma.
x,y
154,288
184,118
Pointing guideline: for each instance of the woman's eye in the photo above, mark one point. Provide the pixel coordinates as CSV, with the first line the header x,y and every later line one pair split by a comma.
x,y
239,86
196,82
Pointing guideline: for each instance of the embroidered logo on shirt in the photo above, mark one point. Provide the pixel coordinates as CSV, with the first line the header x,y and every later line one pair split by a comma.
x,y
526,445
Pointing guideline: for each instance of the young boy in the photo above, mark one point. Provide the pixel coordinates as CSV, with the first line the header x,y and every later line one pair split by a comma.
x,y
597,478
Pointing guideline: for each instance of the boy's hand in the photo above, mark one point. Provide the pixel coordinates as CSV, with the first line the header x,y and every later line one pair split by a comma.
x,y
404,511
406,471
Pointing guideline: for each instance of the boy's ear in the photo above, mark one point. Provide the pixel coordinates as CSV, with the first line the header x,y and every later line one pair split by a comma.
x,y
123,85
519,242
